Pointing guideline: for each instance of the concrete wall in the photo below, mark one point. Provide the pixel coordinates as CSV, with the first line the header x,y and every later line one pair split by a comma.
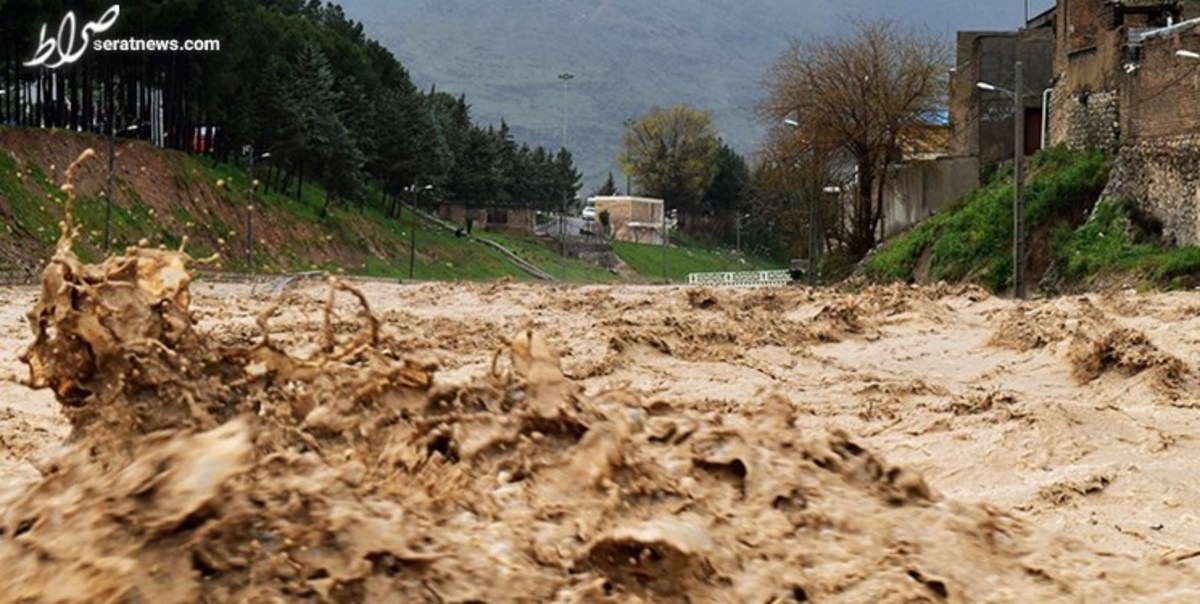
x,y
634,219
918,189
982,121
982,57
520,220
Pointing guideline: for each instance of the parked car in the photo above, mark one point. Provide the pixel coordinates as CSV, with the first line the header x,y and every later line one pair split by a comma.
x,y
589,213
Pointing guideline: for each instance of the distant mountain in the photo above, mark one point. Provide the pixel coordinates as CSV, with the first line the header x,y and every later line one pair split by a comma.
x,y
627,56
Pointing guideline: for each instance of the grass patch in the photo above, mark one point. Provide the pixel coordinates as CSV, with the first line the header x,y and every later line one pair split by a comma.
x,y
898,260
1101,246
972,240
346,239
30,205
679,262
547,256
1113,242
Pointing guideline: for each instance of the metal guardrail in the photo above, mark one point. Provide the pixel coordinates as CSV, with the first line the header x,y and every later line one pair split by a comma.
x,y
276,284
741,279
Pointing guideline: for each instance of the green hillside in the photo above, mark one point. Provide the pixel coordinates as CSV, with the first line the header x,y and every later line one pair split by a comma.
x,y
164,196
1074,239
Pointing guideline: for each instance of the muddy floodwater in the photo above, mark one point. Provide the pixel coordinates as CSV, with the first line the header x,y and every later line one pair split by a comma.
x,y
188,441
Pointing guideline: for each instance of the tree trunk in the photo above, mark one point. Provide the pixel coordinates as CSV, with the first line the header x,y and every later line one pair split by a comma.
x,y
877,223
325,206
300,182
862,239
285,181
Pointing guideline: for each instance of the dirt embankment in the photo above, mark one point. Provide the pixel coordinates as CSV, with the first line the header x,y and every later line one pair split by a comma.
x,y
302,449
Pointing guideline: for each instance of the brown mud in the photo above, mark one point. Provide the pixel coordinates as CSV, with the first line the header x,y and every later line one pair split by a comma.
x,y
506,443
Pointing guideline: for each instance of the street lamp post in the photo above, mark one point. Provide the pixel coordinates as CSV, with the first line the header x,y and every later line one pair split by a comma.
x,y
562,233
814,228
739,232
412,240
835,192
666,240
1018,178
565,77
740,218
562,213
249,149
108,190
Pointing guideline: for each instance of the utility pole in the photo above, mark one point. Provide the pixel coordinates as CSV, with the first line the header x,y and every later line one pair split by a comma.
x,y
1017,94
814,234
249,150
108,192
665,242
562,214
1019,188
739,232
250,213
412,235
814,230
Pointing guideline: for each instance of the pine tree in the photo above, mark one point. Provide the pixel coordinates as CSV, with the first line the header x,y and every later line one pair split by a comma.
x,y
608,189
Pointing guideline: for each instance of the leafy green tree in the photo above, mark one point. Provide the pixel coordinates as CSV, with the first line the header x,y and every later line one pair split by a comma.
x,y
411,147
566,180
673,155
729,187
505,166
608,189
541,177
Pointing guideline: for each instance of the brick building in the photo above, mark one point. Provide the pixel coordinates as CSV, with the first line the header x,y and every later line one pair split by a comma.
x,y
1097,47
1159,162
1121,87
517,219
633,219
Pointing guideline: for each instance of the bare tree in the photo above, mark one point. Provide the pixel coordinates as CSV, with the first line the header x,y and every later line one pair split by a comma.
x,y
792,173
854,95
